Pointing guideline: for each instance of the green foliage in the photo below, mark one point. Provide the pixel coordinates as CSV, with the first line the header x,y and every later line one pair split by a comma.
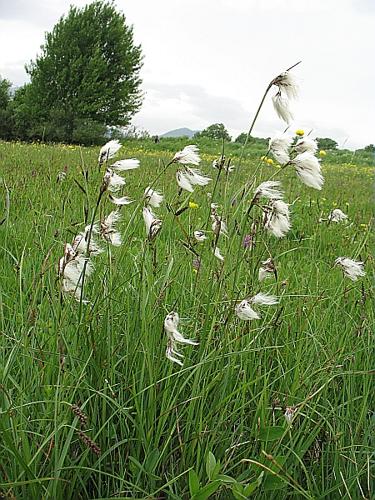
x,y
6,117
87,73
215,131
326,143
370,148
259,141
5,86
88,131
214,428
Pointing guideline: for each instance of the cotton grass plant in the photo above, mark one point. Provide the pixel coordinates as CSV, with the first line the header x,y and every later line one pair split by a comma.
x,y
260,382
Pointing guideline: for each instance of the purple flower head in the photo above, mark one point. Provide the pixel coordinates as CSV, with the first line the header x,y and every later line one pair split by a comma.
x,y
247,241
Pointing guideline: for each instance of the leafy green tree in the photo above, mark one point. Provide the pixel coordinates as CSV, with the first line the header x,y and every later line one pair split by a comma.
x,y
87,73
215,131
26,115
326,143
370,148
252,140
6,118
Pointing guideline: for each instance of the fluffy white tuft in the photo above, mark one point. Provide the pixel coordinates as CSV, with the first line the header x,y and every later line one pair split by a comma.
x,y
308,170
183,181
269,189
276,218
306,144
352,269
281,106
122,165
108,151
245,312
263,299
188,156
337,215
279,148
217,254
153,198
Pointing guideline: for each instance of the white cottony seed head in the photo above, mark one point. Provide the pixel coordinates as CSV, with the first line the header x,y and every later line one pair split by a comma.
x,y
245,312
122,165
152,223
200,236
183,181
171,322
263,299
279,148
308,169
269,189
287,84
352,269
108,229
267,268
195,177
123,200
108,151
153,198
281,106
217,254
289,414
306,144
276,218
188,156
337,215
112,182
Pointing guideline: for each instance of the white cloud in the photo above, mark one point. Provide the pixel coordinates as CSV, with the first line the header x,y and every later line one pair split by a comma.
x,y
210,61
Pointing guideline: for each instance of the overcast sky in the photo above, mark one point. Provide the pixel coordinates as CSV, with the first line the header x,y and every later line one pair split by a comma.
x,y
208,61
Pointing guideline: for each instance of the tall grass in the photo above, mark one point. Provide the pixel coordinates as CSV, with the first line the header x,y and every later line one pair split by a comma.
x,y
216,426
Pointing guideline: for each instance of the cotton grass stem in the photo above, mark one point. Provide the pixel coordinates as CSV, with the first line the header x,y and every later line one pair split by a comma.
x,y
269,86
89,235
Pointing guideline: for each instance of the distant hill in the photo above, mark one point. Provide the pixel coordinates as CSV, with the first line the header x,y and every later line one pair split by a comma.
x,y
180,132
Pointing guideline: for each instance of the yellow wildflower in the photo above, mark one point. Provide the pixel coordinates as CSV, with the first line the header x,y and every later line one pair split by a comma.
x,y
300,132
364,225
270,161
322,153
193,205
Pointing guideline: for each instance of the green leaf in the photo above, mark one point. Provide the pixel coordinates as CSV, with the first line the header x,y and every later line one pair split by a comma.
x,y
194,484
238,496
251,487
210,465
207,490
141,468
225,479
237,491
216,470
271,433
272,483
151,460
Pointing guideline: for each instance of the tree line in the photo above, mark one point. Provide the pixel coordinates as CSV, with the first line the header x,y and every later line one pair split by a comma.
x,y
85,84
85,79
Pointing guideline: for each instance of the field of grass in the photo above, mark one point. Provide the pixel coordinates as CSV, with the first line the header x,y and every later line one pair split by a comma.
x,y
214,428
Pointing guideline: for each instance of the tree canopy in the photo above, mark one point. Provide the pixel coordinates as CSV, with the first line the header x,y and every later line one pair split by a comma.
x,y
241,139
86,77
215,131
6,118
326,143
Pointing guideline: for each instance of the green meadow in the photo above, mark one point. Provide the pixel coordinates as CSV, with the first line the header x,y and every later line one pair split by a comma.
x,y
90,407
